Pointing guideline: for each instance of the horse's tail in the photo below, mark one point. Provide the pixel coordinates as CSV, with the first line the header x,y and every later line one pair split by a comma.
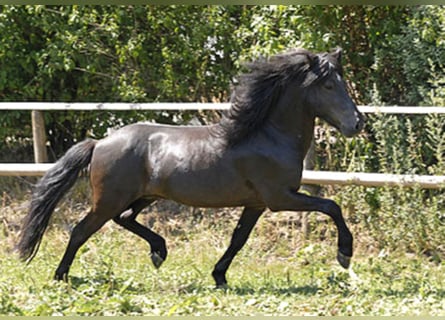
x,y
48,192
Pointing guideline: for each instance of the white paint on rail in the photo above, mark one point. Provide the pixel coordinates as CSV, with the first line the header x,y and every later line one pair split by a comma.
x,y
168,106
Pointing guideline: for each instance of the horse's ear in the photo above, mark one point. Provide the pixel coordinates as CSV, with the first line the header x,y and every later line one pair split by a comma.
x,y
336,54
312,59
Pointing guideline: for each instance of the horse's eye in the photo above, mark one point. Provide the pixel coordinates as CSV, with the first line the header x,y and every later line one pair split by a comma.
x,y
328,85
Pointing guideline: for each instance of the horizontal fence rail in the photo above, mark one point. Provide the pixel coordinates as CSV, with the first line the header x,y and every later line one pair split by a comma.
x,y
80,106
57,106
373,179
309,176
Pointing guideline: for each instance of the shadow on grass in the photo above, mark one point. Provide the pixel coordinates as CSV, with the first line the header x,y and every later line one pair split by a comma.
x,y
104,282
112,283
409,293
307,290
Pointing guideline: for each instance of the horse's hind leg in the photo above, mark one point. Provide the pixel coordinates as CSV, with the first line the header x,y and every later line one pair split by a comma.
x,y
156,242
248,219
80,234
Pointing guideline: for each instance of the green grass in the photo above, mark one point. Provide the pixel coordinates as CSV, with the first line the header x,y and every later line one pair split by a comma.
x,y
276,273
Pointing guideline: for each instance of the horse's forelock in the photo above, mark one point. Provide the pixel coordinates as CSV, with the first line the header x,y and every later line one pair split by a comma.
x,y
322,66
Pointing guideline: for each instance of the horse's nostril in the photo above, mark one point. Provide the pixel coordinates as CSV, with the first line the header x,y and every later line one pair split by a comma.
x,y
360,119
364,117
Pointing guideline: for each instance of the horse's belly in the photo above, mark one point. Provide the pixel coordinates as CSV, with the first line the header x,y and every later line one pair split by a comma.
x,y
218,189
219,200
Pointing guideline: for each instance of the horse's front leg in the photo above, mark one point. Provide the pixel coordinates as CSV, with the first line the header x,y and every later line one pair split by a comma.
x,y
293,201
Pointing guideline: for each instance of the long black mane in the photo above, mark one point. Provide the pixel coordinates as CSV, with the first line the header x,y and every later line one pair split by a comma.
x,y
260,87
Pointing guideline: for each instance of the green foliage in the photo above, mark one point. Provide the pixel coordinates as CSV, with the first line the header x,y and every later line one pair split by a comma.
x,y
408,61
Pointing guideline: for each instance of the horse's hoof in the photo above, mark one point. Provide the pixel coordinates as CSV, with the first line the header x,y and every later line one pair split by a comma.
x,y
156,259
61,277
220,280
222,286
344,260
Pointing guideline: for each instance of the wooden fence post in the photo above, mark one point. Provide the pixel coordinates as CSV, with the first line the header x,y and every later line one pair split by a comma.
x,y
39,136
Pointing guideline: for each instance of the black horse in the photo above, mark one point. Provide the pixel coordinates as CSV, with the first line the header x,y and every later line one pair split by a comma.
x,y
252,158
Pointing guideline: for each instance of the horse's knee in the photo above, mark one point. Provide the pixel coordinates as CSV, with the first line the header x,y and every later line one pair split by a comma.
x,y
331,208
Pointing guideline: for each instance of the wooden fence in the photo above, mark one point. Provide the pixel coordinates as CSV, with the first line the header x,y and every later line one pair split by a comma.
x,y
309,176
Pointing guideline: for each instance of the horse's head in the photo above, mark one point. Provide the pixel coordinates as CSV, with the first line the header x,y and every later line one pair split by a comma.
x,y
329,97
288,87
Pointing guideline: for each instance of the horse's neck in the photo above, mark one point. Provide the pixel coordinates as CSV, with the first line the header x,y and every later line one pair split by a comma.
x,y
296,123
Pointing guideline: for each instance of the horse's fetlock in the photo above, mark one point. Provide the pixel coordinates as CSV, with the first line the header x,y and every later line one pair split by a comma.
x,y
220,278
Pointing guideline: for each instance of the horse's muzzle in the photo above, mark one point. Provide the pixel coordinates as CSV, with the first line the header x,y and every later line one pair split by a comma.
x,y
355,127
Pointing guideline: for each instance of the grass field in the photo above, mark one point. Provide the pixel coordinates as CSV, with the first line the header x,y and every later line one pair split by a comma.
x,y
277,272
